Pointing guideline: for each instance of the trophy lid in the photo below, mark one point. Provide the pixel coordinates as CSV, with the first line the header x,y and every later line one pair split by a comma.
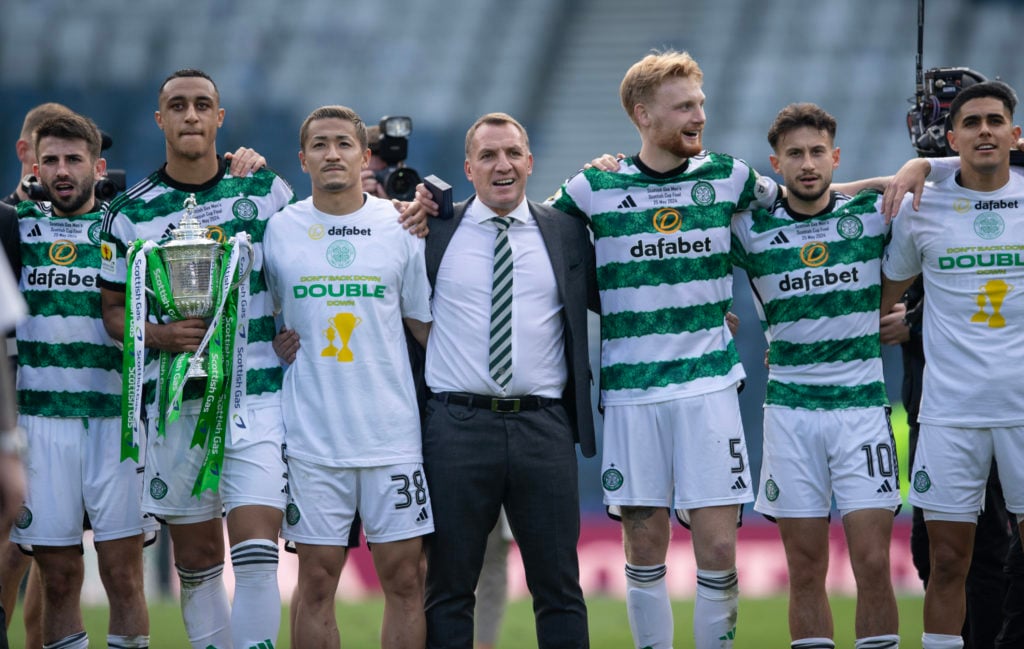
x,y
189,231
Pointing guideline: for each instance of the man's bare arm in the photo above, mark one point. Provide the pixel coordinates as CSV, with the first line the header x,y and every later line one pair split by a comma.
x,y
420,330
892,291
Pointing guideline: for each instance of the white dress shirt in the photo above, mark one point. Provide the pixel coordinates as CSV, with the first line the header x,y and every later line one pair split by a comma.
x,y
457,350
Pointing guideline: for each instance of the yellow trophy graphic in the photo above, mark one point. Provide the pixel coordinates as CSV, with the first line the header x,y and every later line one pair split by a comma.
x,y
993,292
342,325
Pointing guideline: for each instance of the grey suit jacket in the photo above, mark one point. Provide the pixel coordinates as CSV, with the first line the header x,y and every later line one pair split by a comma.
x,y
572,259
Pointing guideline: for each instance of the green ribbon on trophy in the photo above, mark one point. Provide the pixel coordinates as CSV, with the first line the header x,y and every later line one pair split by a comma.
x,y
191,276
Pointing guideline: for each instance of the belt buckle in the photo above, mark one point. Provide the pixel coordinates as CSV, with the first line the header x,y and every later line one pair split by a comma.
x,y
505,405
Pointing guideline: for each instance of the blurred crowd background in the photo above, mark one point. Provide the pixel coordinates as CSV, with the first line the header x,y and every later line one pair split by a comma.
x,y
553,64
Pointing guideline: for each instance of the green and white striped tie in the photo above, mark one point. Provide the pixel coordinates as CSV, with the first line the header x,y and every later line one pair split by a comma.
x,y
500,361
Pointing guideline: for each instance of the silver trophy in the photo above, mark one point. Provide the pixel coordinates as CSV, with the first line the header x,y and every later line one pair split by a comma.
x,y
190,259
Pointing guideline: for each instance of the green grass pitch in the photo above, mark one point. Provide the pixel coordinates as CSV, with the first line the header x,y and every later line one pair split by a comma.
x,y
762,625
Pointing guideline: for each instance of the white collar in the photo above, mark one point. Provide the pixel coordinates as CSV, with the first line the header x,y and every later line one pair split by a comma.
x,y
480,213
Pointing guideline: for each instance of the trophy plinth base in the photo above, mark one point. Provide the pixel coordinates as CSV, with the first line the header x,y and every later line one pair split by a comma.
x,y
197,370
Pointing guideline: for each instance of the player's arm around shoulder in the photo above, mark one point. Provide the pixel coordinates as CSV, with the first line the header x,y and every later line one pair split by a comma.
x,y
901,263
281,193
573,197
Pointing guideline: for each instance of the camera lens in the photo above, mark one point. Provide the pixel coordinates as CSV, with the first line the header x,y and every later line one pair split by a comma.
x,y
105,189
401,184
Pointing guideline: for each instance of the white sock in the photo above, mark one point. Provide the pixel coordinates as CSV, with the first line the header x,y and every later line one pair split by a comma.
x,y
75,641
648,607
256,610
715,609
941,641
891,641
813,643
205,608
127,642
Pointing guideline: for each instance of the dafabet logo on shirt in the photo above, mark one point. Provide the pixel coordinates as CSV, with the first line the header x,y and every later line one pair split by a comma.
x,y
814,253
667,220
63,252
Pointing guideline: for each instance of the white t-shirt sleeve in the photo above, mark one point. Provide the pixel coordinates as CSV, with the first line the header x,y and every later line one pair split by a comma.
x,y
415,301
902,258
943,168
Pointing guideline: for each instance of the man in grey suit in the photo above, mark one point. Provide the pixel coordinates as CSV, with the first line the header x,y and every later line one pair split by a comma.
x,y
509,374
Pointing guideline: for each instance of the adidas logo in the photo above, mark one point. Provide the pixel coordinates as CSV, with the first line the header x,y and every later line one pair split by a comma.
x,y
884,489
739,484
167,233
423,517
35,231
627,203
780,239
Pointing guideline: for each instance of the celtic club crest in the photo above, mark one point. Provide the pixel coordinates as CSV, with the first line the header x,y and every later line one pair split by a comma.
x,y
157,488
612,479
292,514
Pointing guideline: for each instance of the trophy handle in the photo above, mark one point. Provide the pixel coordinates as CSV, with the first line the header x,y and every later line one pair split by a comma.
x,y
242,239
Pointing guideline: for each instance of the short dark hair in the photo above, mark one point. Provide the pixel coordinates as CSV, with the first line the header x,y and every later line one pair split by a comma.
x,y
996,89
185,73
796,116
70,126
333,112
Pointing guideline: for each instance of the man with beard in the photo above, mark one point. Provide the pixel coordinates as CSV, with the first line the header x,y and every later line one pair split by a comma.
x,y
814,261
13,563
673,438
69,394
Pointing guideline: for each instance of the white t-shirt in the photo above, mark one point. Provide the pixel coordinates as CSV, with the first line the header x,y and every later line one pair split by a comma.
x,y
344,283
969,246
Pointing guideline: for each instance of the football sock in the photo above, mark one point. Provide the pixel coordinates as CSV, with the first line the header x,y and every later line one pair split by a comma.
x,y
941,641
127,642
813,643
205,608
715,609
648,607
256,609
891,641
77,641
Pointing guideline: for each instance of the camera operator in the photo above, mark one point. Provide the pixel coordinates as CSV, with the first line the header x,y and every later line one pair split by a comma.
x,y
387,176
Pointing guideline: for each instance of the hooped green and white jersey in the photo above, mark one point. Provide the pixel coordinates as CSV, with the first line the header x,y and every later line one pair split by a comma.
x,y
663,270
817,287
152,208
67,364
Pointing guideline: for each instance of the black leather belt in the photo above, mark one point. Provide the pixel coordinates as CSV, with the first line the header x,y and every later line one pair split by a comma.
x,y
494,404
